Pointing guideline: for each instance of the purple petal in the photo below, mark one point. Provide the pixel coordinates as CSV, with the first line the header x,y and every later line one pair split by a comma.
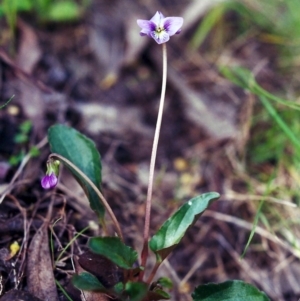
x,y
156,19
172,25
161,37
49,181
160,28
147,27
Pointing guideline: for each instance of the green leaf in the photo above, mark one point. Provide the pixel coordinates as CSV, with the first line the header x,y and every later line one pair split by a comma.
x,y
172,231
34,151
158,294
63,11
115,250
165,282
24,5
26,126
20,138
15,5
87,282
136,290
235,290
82,152
15,160
118,288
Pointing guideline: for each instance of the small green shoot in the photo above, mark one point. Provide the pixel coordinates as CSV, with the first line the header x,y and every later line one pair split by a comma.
x,y
24,131
22,138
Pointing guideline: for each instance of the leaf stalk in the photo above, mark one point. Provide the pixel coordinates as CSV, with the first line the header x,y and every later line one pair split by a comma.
x,y
100,195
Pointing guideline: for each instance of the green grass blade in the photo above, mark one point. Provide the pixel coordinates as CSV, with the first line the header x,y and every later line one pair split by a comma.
x,y
281,123
6,103
206,26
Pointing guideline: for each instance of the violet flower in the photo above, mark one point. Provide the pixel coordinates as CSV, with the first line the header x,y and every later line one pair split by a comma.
x,y
160,28
49,181
51,178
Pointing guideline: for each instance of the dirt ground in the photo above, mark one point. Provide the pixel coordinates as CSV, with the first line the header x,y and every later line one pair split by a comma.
x,y
99,76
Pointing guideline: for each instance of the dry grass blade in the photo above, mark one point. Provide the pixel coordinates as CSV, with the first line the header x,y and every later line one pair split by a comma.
x,y
29,52
250,271
179,292
200,260
232,195
25,160
21,74
195,105
258,230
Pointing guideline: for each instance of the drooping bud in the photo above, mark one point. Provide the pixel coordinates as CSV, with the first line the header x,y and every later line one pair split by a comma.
x,y
51,178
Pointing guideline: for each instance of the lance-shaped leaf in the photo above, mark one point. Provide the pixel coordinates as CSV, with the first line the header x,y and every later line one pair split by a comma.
x,y
172,231
82,152
234,290
115,250
87,282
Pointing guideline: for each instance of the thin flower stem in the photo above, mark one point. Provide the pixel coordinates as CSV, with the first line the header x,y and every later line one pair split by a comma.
x,y
100,195
152,162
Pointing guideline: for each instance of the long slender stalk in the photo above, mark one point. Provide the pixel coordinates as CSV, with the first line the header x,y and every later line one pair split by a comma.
x,y
100,195
152,162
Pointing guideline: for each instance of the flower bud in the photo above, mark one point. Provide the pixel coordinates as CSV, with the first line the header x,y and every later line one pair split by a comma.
x,y
51,178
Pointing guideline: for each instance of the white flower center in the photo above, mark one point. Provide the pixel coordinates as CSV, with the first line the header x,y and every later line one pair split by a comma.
x,y
159,29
